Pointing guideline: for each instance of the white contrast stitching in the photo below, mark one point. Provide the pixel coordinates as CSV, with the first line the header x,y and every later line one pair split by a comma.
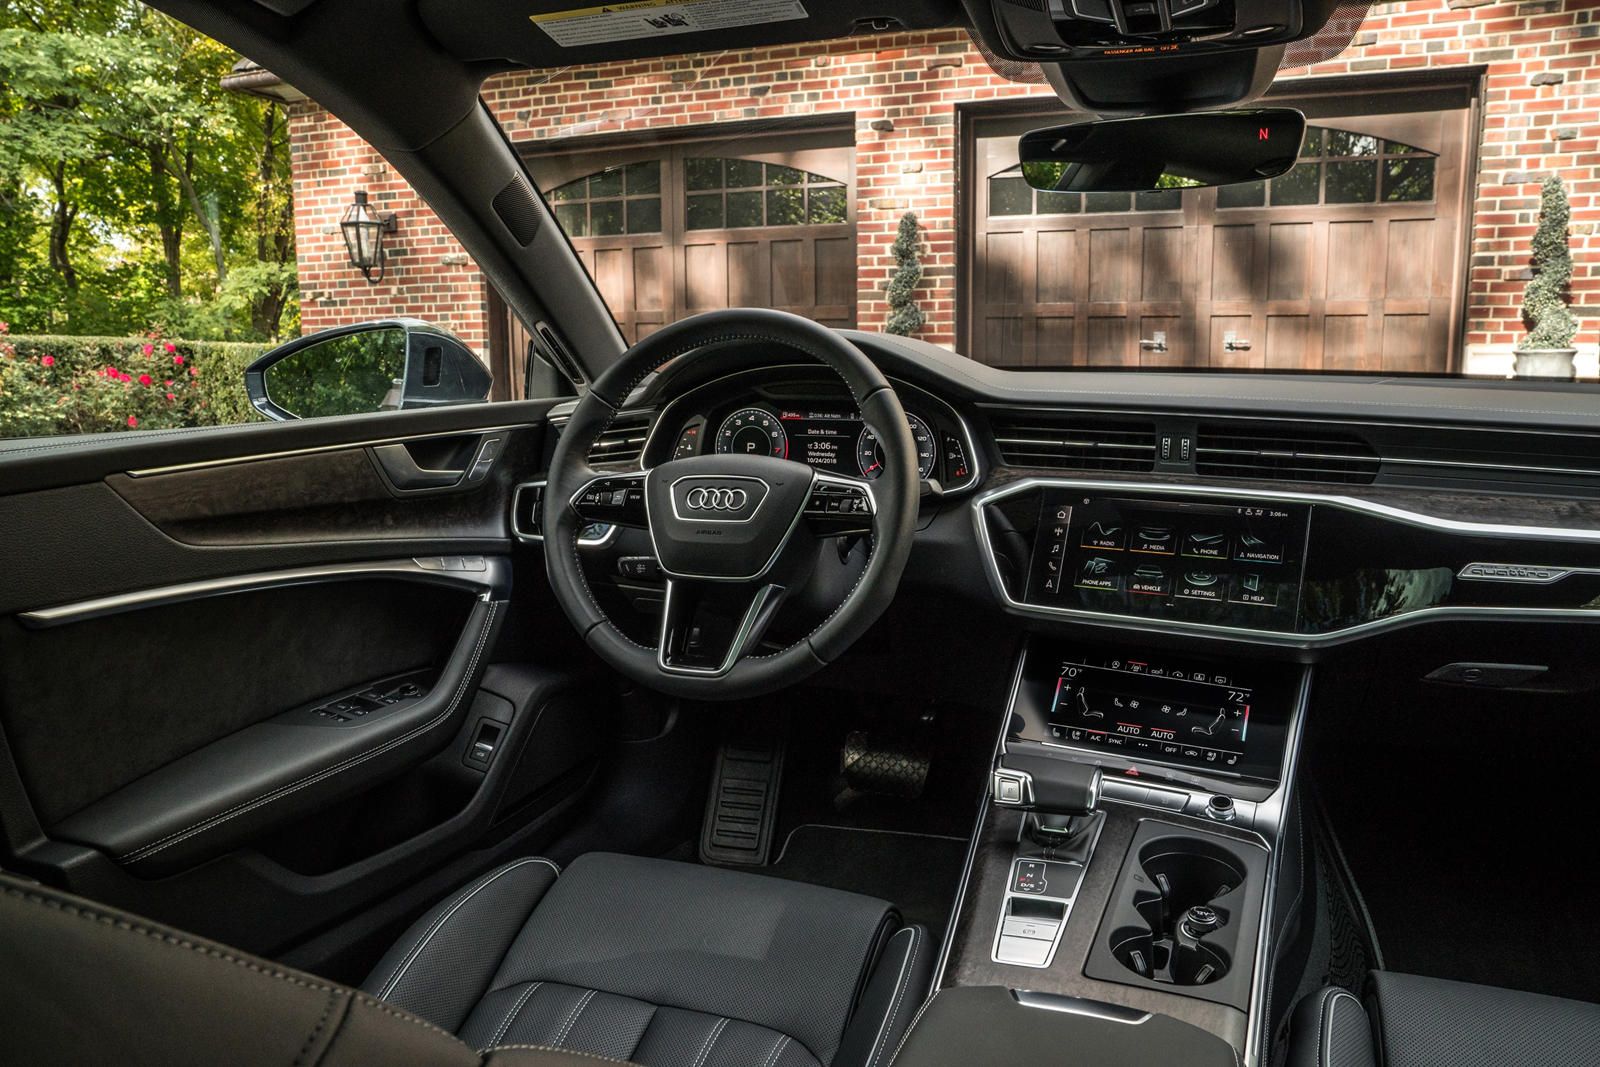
x,y
777,1050
213,821
516,1009
572,1019
878,1047
711,1039
466,895
915,1019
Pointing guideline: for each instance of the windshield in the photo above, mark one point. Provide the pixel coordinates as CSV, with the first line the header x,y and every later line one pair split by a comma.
x,y
873,183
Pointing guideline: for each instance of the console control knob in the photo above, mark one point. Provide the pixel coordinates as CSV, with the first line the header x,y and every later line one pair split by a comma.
x,y
1200,920
1221,808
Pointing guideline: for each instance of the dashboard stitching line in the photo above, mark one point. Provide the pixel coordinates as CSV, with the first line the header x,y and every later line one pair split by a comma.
x,y
213,821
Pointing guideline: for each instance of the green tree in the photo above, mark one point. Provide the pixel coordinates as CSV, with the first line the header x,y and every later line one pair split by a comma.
x,y
143,192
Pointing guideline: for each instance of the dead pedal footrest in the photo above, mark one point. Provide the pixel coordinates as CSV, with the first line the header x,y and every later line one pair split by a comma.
x,y
744,801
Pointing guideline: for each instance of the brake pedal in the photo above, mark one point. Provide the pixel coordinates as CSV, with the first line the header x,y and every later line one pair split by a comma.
x,y
737,830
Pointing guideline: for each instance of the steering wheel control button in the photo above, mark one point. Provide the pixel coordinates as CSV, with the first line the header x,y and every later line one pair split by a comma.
x,y
615,499
639,568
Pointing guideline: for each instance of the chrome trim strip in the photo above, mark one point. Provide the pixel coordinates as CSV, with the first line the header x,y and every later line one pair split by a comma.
x,y
1094,1009
494,573
1291,639
765,598
1269,821
975,840
347,446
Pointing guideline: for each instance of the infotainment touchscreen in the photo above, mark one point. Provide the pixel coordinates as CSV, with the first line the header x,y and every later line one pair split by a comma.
x,y
1233,564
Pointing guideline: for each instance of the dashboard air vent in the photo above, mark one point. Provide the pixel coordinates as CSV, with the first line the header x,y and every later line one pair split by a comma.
x,y
1075,443
623,441
1285,453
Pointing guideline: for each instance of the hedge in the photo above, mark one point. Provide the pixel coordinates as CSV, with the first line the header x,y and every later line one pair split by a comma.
x,y
64,385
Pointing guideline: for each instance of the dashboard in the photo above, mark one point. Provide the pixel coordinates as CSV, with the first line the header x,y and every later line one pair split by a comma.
x,y
1022,516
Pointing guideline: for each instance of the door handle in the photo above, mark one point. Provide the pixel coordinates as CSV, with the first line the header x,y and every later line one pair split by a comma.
x,y
405,474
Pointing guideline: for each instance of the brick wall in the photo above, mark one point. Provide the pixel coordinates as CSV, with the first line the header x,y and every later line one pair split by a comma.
x,y
428,275
1541,115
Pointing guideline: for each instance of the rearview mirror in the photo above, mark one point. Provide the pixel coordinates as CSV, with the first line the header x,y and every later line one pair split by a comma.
x,y
1163,152
383,365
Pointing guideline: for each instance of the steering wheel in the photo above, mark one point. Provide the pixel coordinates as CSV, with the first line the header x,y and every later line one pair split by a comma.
x,y
734,534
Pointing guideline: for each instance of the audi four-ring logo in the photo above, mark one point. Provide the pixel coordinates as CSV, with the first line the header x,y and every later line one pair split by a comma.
x,y
701,499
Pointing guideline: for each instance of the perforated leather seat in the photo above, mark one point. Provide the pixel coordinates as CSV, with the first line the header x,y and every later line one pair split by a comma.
x,y
643,961
662,964
1411,1021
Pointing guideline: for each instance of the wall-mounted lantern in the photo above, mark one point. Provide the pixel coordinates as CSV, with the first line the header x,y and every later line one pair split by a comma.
x,y
363,230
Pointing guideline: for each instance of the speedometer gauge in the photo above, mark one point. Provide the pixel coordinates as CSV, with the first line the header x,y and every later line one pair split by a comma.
x,y
870,457
752,432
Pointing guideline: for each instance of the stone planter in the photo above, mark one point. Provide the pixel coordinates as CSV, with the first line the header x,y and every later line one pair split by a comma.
x,y
1546,363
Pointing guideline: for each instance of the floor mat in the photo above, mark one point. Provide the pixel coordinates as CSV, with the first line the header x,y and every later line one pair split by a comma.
x,y
919,873
1472,862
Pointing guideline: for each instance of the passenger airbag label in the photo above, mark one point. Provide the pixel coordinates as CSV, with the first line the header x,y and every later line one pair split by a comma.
x,y
653,18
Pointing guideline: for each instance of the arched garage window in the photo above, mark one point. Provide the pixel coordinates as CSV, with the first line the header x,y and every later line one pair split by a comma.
x,y
726,193
617,200
1335,167
1342,167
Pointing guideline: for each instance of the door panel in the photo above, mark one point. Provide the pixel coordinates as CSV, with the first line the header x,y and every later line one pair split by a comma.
x,y
240,668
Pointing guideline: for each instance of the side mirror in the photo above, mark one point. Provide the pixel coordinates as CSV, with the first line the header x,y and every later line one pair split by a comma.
x,y
383,365
1163,152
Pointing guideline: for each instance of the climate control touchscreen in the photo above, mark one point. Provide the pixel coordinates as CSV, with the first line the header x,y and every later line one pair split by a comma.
x,y
1237,565
1140,708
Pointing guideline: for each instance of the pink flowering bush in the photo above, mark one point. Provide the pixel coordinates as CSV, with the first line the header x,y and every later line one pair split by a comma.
x,y
63,385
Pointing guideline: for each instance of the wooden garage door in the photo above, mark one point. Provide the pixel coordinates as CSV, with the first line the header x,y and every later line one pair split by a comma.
x,y
1353,261
674,229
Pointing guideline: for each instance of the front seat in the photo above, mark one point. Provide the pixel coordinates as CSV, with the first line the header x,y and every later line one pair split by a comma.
x,y
638,961
1411,1021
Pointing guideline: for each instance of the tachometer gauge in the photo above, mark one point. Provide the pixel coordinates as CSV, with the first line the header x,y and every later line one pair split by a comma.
x,y
870,457
752,432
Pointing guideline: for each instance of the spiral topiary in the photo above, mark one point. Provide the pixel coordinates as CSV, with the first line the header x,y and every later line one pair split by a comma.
x,y
905,317
1544,304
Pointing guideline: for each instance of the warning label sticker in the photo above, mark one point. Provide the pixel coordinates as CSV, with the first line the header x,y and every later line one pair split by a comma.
x,y
654,18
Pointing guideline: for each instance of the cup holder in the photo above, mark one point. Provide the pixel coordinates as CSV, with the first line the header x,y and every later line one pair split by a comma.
x,y
1183,901
1165,960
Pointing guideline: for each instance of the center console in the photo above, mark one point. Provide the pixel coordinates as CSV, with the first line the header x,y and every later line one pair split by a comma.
x,y
1130,864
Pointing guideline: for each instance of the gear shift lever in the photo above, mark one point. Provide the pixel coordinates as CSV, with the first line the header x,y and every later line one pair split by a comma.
x,y
1060,795
1072,800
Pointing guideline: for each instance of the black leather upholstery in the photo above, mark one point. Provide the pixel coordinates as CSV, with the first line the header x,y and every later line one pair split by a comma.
x,y
620,959
1410,1021
81,984
1331,1029
663,964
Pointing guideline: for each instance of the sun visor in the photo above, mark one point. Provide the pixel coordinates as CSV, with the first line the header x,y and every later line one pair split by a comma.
x,y
559,33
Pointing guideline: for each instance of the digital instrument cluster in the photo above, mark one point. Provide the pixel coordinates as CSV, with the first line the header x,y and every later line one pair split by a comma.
x,y
833,440
1142,708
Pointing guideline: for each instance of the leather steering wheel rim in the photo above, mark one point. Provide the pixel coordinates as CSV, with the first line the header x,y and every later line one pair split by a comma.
x,y
893,522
